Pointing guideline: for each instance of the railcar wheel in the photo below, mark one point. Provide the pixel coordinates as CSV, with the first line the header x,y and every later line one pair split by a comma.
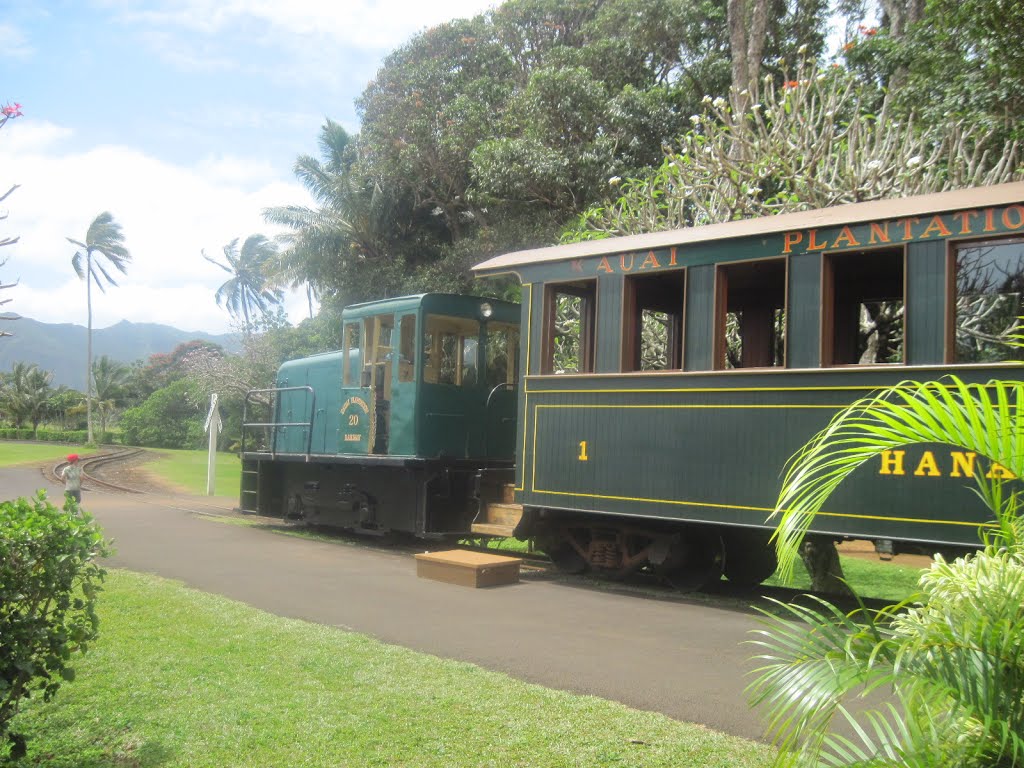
x,y
695,561
749,557
566,558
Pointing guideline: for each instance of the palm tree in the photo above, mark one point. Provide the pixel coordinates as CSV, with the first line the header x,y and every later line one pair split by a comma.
x,y
103,248
247,290
109,379
953,655
27,394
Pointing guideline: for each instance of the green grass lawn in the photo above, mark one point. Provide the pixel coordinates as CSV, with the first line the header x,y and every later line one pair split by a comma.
x,y
869,579
14,453
187,470
184,678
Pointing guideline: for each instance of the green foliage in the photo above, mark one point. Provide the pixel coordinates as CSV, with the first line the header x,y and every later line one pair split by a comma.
x,y
54,435
49,580
248,290
171,417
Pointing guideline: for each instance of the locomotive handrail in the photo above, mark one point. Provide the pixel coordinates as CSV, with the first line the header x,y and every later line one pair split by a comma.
x,y
274,402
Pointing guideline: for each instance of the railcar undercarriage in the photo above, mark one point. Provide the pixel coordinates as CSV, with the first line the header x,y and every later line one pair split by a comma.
x,y
688,556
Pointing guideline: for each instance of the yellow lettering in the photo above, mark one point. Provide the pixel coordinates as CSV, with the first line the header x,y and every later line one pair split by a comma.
x,y
927,466
908,232
990,225
790,239
892,463
650,262
999,472
604,266
965,220
963,464
1008,222
622,262
813,244
879,235
583,451
938,225
672,256
846,237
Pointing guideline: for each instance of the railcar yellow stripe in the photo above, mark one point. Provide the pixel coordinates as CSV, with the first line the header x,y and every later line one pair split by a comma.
x,y
676,502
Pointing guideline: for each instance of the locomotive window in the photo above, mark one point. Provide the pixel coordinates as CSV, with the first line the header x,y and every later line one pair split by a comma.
x,y
863,308
989,300
450,347
750,314
407,348
351,355
653,333
569,327
502,354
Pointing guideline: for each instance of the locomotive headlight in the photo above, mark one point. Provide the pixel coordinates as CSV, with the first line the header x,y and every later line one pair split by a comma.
x,y
486,310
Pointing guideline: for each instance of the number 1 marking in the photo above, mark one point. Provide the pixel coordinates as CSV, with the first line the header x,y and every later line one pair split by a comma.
x,y
583,450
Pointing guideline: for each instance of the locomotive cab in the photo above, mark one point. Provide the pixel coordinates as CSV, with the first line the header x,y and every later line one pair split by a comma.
x,y
409,427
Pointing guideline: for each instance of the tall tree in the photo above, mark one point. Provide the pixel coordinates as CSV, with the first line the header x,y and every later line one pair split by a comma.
x,y
109,380
27,393
102,249
248,290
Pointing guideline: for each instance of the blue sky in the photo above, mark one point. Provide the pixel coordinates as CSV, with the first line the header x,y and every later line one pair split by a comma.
x,y
182,118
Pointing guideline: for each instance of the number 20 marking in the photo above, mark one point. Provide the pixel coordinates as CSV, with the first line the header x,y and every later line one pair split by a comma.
x,y
353,420
583,451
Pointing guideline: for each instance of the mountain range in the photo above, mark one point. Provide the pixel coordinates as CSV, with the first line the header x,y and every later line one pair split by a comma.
x,y
60,347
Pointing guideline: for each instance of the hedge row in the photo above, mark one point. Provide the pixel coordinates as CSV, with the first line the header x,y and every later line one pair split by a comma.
x,y
75,436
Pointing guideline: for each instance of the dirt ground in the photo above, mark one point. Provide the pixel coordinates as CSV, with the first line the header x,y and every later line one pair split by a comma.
x,y
865,550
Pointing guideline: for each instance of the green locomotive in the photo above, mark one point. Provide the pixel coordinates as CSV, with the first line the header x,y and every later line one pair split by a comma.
x,y
666,378
404,429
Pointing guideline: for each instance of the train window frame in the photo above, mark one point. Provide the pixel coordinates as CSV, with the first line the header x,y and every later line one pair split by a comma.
x,y
952,297
834,353
586,292
722,312
352,367
451,350
638,298
493,362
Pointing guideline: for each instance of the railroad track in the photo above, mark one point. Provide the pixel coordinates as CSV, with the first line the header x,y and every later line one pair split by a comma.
x,y
95,462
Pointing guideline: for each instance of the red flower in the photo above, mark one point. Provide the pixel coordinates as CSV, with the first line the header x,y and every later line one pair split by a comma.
x,y
11,110
792,84
869,31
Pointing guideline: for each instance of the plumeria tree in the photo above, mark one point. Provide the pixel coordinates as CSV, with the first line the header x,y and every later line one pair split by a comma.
x,y
7,112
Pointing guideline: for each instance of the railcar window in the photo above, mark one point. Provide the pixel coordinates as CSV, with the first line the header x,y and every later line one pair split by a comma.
x,y
750,315
989,300
351,355
451,345
570,327
863,308
407,348
502,354
653,333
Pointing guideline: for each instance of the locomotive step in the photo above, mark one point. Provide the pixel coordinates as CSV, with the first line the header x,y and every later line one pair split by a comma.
x,y
468,569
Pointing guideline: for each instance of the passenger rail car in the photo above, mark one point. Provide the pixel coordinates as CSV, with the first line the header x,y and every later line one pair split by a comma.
x,y
654,427
666,379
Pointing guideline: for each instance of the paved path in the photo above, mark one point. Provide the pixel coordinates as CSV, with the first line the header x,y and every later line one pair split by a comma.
x,y
684,659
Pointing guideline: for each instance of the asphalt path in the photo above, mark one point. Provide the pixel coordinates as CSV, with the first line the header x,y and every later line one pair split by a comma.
x,y
683,658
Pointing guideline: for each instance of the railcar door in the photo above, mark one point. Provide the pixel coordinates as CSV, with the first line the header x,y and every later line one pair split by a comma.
x,y
402,413
357,405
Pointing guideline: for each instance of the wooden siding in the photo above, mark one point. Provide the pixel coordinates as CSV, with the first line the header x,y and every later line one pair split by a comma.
x,y
700,315
926,303
803,315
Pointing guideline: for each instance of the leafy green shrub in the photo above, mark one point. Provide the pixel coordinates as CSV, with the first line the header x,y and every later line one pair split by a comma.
x,y
169,418
49,580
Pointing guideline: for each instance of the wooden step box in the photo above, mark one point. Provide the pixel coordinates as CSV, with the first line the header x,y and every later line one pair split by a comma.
x,y
468,569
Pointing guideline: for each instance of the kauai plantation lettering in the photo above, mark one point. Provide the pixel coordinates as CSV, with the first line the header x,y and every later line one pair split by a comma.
x,y
969,223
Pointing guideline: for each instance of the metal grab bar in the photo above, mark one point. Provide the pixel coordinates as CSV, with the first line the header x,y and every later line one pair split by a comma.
x,y
274,405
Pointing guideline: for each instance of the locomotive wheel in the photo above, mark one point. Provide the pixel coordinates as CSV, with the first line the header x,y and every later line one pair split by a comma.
x,y
695,562
566,558
749,558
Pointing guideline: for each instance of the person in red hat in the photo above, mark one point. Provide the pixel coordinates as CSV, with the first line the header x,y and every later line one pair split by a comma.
x,y
72,475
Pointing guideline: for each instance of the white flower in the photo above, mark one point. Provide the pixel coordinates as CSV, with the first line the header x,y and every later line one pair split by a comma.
x,y
706,99
802,49
614,181
915,160
719,102
695,119
754,107
437,211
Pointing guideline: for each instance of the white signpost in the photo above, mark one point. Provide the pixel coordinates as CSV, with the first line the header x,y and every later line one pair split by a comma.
x,y
213,427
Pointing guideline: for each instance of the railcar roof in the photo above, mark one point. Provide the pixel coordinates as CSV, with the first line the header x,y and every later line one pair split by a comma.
x,y
851,213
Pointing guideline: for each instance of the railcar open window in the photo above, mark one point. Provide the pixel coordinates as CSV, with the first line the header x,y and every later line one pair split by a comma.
x,y
863,308
352,363
750,315
502,354
653,332
407,348
989,300
450,348
569,327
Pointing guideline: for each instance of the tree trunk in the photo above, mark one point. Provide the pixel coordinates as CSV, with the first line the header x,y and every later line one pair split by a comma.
x,y
88,349
822,562
748,28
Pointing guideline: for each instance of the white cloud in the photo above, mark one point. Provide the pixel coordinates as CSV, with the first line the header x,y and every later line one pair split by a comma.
x,y
169,215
